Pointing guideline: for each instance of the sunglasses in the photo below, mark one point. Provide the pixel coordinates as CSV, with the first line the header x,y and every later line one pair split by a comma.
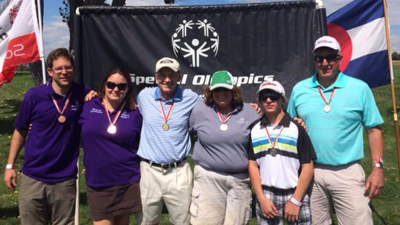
x,y
273,96
112,85
329,58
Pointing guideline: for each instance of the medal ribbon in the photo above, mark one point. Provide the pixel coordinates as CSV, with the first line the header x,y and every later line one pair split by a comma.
x,y
323,96
166,118
223,120
276,138
117,114
65,105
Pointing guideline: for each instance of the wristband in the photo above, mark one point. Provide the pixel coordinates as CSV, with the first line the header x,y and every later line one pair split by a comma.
x,y
294,201
378,163
9,166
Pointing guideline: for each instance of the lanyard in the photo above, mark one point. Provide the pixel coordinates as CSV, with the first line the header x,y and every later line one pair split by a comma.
x,y
276,138
117,114
166,117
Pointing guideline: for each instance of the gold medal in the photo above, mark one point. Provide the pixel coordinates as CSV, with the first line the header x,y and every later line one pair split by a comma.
x,y
327,108
223,127
61,119
165,126
112,129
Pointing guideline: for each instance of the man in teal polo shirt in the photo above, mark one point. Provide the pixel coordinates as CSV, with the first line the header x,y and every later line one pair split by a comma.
x,y
335,109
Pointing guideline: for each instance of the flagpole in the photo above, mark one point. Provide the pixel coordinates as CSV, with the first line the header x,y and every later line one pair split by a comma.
x,y
41,40
396,126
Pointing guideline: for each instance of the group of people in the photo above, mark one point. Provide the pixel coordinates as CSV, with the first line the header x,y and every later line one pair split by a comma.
x,y
136,152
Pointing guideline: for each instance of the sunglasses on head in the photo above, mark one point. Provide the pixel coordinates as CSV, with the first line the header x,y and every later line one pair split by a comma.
x,y
271,95
112,85
329,58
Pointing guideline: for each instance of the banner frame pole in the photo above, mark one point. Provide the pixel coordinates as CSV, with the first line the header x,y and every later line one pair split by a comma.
x,y
41,39
395,117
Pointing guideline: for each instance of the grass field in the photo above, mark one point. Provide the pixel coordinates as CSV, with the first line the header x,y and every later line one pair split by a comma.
x,y
387,204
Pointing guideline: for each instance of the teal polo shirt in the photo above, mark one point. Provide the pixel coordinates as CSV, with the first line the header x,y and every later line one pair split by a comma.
x,y
337,136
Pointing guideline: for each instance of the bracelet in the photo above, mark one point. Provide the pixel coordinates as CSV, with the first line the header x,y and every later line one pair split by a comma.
x,y
9,166
294,201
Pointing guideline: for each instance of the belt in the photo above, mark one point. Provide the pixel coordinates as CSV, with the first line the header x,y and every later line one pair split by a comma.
x,y
279,190
166,165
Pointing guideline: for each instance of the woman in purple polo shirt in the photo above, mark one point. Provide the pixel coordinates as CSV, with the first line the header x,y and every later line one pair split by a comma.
x,y
111,127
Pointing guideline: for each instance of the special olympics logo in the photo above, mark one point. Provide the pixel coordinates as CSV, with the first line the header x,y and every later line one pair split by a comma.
x,y
195,43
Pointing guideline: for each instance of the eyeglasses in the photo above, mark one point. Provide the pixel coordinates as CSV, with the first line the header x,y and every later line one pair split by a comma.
x,y
273,96
112,85
329,58
59,70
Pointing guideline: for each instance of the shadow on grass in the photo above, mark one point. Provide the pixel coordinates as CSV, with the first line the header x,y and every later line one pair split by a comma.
x,y
9,106
8,213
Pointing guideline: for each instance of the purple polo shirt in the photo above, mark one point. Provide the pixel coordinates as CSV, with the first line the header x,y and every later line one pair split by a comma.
x,y
110,159
51,148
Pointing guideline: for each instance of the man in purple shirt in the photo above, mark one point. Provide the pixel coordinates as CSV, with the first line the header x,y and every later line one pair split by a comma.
x,y
47,180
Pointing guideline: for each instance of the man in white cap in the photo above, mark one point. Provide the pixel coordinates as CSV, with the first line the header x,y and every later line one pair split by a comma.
x,y
335,109
165,145
280,162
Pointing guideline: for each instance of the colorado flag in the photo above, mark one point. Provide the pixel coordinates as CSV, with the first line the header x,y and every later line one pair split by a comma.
x,y
359,27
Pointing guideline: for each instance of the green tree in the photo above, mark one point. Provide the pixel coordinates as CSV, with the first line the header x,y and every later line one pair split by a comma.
x,y
69,8
395,56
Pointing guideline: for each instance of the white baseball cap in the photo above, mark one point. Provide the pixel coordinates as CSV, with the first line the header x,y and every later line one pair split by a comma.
x,y
274,86
327,42
167,62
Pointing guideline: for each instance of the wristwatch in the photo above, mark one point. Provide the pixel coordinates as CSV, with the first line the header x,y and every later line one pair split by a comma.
x,y
378,164
9,166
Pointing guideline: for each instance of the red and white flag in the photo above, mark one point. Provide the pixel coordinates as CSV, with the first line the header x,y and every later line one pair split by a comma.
x,y
19,35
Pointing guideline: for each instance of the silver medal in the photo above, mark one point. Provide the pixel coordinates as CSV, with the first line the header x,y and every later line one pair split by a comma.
x,y
223,127
112,129
327,108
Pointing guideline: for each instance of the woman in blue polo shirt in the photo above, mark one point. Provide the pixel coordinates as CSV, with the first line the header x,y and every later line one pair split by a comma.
x,y
111,127
221,191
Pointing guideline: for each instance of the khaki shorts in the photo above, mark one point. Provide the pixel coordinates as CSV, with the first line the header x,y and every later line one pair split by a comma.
x,y
219,198
172,187
343,188
42,203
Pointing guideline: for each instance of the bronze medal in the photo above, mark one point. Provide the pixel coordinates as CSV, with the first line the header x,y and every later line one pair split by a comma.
x,y
62,119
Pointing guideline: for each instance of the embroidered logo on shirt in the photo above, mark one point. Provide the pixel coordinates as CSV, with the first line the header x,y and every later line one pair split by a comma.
x,y
125,115
76,106
94,110
241,120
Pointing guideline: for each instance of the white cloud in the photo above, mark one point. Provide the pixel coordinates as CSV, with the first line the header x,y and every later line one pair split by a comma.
x,y
55,35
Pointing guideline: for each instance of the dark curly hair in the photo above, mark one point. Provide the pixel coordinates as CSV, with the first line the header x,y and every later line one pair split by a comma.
x,y
237,98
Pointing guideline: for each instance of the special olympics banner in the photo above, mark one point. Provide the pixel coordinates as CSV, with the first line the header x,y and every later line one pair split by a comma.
x,y
19,33
359,27
255,42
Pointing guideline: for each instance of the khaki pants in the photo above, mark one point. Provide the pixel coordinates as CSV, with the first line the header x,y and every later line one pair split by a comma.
x,y
41,203
343,188
170,186
220,198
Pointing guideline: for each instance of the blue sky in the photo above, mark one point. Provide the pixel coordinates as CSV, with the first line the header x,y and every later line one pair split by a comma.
x,y
56,32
